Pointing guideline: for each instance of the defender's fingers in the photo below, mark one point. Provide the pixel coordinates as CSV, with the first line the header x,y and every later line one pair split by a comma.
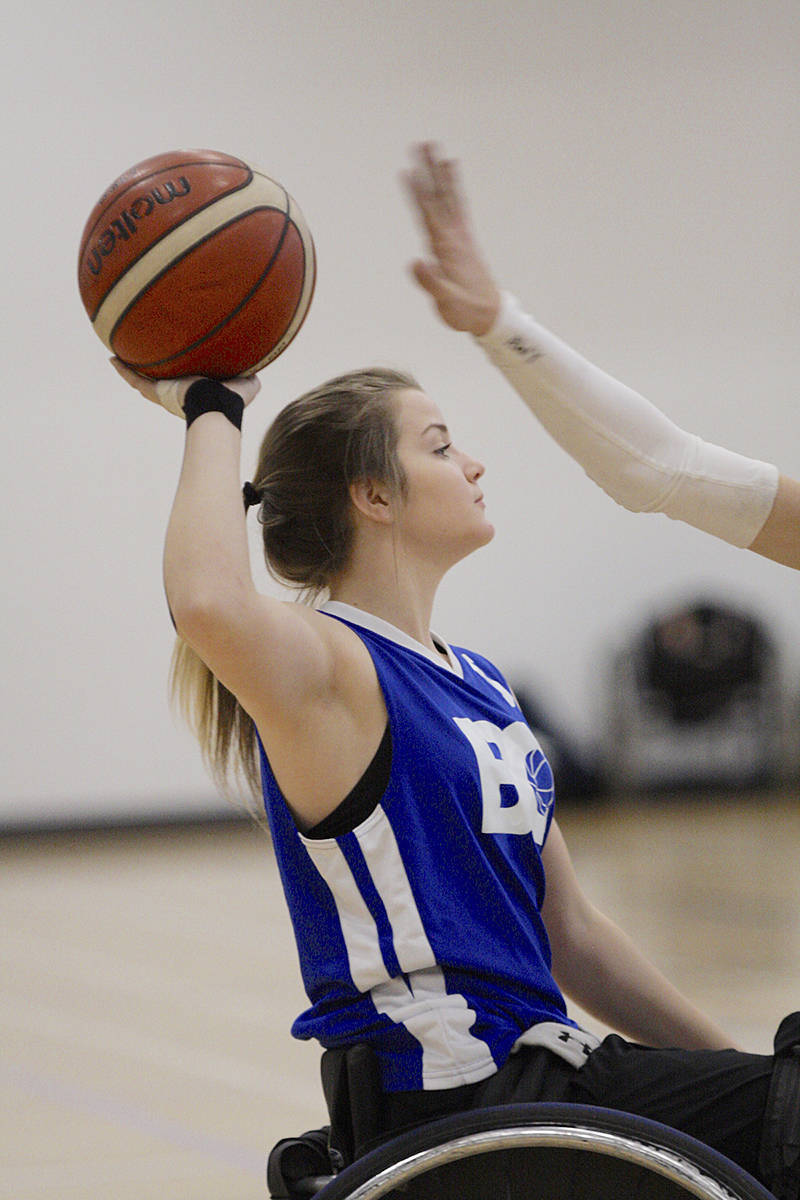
x,y
424,201
434,281
443,172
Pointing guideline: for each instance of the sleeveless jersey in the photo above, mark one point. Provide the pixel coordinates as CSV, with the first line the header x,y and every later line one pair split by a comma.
x,y
420,931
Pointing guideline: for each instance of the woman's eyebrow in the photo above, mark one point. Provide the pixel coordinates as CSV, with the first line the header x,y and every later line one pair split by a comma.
x,y
442,429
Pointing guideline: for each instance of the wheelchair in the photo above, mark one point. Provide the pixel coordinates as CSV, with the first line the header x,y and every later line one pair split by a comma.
x,y
538,1151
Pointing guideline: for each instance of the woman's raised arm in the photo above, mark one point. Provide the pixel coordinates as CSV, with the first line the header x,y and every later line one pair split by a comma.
x,y
274,657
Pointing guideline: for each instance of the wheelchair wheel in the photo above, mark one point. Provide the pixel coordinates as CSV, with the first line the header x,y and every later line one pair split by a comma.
x,y
543,1152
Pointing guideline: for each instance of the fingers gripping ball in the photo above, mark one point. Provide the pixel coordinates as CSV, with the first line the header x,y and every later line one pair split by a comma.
x,y
196,263
171,393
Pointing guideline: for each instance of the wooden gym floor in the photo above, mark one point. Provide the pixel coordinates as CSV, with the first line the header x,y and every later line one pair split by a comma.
x,y
149,980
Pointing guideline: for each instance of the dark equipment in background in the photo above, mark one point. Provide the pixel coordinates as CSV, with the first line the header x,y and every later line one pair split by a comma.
x,y
695,699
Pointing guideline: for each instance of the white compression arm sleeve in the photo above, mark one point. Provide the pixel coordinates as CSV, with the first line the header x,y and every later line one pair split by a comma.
x,y
638,456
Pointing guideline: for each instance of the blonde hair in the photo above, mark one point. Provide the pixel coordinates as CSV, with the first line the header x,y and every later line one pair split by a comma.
x,y
316,447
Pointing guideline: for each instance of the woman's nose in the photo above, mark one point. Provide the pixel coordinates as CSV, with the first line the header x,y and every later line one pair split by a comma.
x,y
473,469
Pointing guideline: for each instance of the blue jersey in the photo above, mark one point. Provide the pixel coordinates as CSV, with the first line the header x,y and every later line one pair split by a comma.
x,y
420,931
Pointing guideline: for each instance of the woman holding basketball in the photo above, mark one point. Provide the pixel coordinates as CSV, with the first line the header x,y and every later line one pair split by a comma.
x,y
411,807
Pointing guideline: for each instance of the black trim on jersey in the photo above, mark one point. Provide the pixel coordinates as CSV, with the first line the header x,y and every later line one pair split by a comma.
x,y
363,799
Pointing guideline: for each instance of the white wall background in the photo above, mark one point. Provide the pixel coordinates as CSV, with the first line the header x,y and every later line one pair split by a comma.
x,y
634,174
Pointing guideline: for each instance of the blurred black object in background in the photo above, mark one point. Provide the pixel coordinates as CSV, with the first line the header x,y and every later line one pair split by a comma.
x,y
695,699
699,659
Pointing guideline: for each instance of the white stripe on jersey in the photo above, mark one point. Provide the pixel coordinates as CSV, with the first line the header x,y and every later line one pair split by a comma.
x,y
359,930
450,1053
508,696
439,1020
441,1023
382,855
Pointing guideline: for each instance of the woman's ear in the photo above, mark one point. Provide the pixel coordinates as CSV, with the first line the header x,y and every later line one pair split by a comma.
x,y
373,500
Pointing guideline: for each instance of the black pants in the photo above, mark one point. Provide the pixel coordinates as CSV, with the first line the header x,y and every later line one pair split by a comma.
x,y
716,1096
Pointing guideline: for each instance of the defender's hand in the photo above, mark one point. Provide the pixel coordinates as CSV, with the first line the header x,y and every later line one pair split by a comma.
x,y
455,275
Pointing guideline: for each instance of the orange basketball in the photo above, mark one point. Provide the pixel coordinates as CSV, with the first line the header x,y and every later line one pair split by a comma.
x,y
196,263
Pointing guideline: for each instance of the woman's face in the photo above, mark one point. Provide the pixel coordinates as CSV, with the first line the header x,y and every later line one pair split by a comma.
x,y
442,515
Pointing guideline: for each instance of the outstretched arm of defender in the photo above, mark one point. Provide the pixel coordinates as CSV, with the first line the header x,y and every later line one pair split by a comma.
x,y
628,447
779,538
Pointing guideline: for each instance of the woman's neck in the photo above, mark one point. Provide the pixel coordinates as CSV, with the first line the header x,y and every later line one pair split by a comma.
x,y
406,608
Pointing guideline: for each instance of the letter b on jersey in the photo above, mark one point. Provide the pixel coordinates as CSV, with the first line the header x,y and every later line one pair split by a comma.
x,y
510,762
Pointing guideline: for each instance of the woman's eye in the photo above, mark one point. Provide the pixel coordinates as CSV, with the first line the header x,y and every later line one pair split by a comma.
x,y
443,450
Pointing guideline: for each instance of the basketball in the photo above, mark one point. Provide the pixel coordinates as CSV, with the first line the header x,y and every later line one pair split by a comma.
x,y
196,263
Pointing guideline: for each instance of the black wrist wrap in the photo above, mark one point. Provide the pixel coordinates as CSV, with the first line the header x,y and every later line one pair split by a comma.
x,y
209,395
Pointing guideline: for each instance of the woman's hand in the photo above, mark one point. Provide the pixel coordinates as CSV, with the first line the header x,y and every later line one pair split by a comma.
x,y
171,393
455,275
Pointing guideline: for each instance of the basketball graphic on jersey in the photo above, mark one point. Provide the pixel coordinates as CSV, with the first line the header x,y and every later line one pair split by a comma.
x,y
541,778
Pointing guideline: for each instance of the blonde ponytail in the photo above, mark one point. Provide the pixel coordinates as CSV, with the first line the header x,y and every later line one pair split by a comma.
x,y
226,733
